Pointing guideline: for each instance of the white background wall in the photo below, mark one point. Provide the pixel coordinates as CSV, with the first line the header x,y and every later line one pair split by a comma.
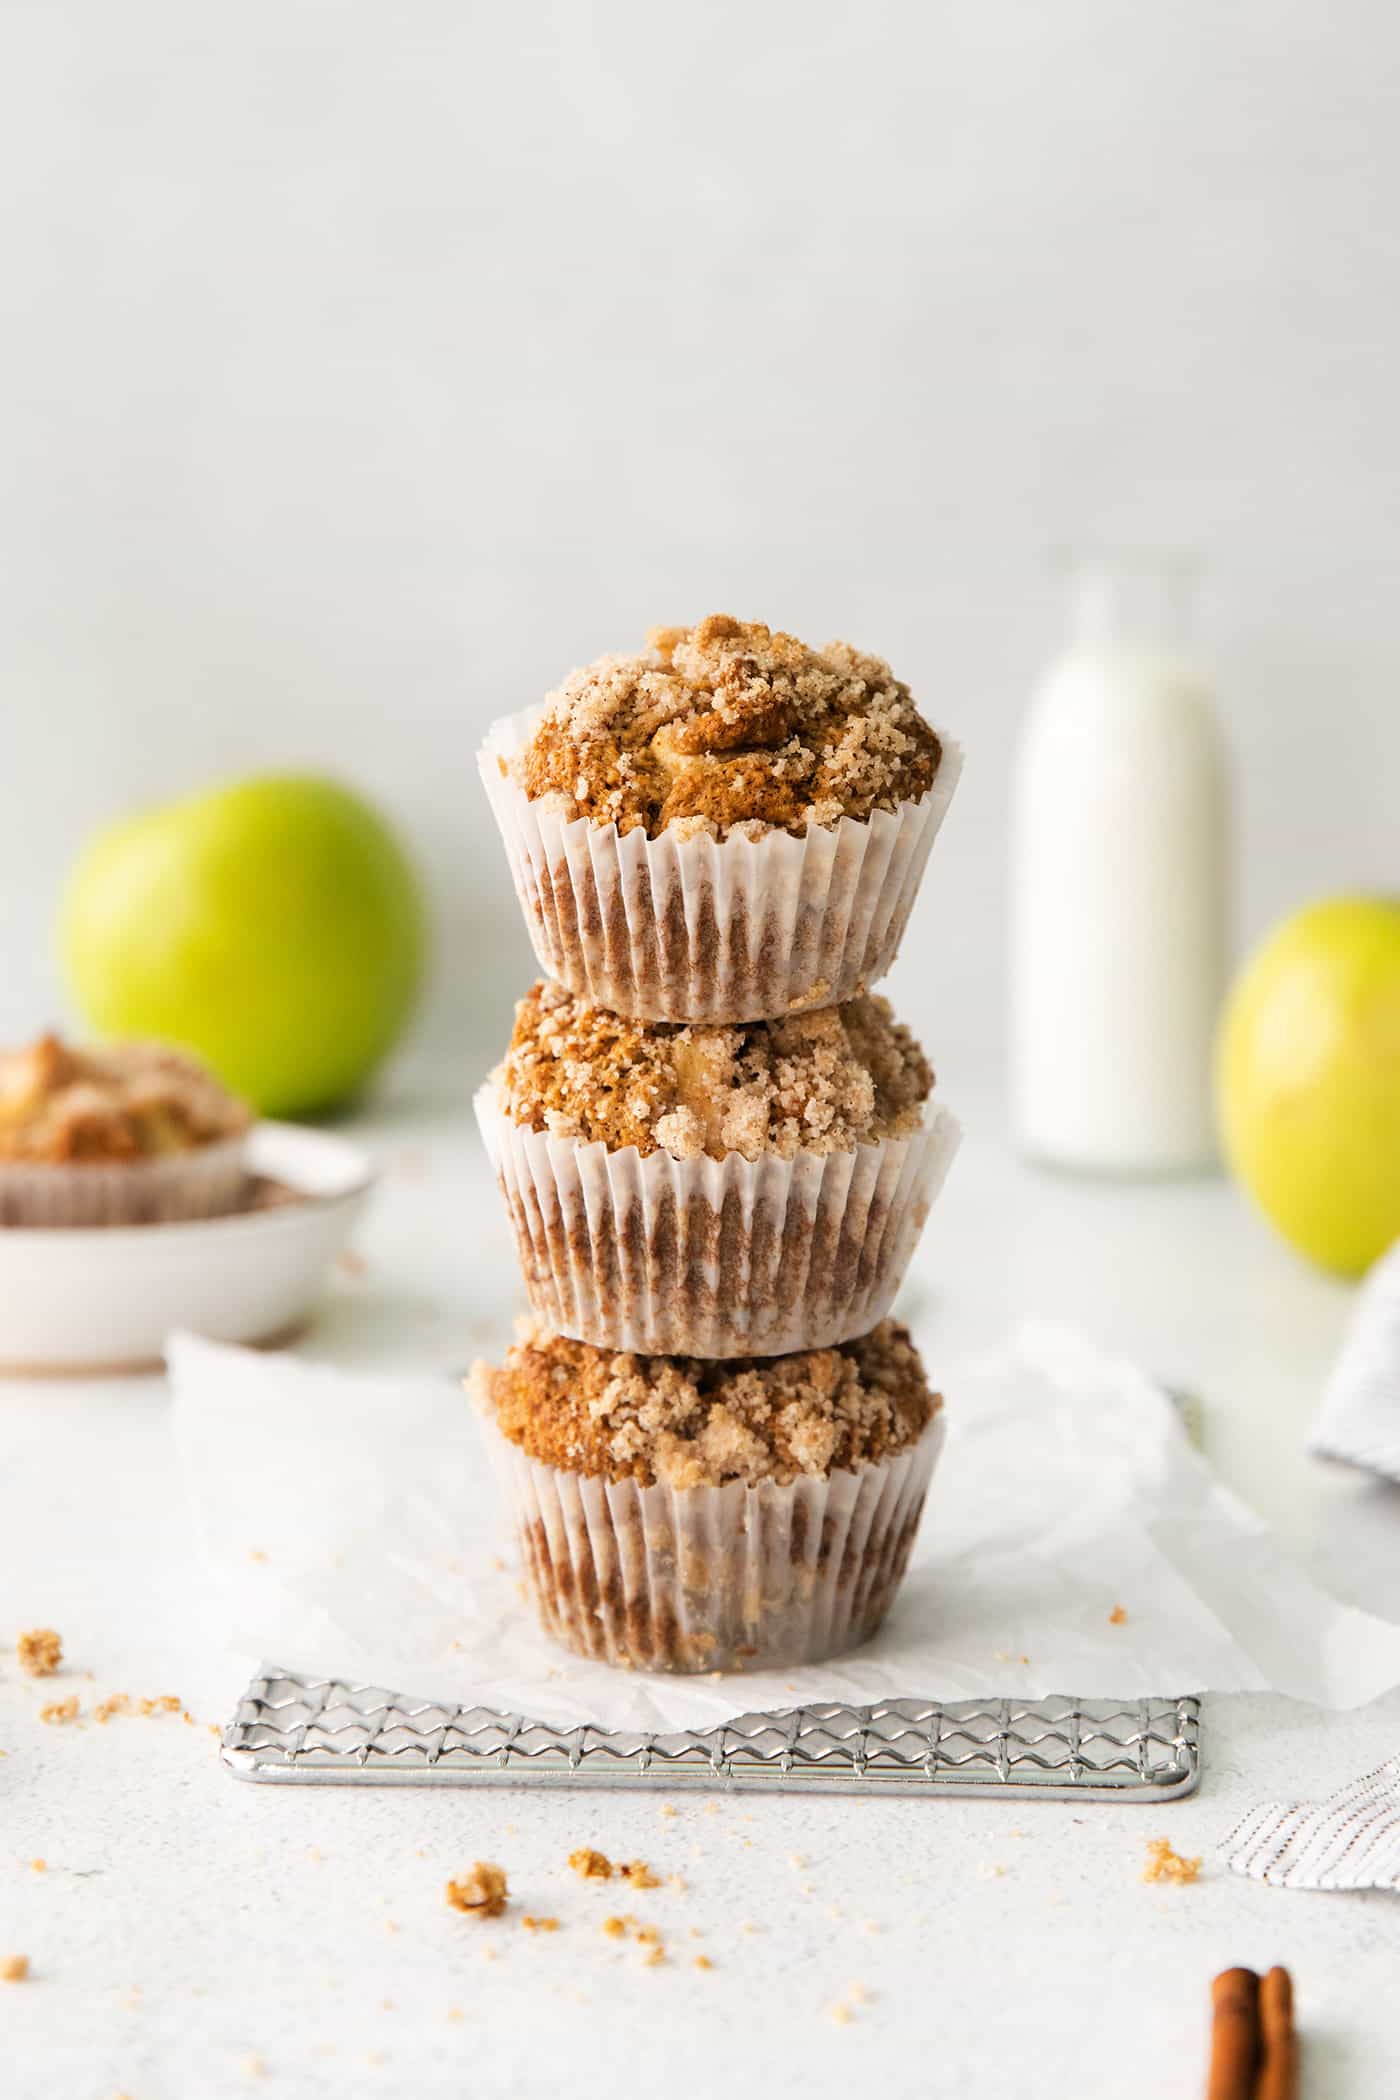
x,y
363,367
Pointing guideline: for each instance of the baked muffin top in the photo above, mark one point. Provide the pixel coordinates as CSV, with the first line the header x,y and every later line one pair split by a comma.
x,y
109,1103
691,1422
728,726
811,1082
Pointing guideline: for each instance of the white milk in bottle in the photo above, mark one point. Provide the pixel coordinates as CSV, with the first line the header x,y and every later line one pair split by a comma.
x,y
1119,889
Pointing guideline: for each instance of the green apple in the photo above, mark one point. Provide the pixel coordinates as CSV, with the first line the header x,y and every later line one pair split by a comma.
x,y
276,927
1308,1080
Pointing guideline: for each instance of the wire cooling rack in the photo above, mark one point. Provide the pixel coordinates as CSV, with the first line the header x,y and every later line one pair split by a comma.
x,y
317,1730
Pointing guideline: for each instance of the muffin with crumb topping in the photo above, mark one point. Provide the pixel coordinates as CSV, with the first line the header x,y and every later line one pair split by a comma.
x,y
115,1134
686,1515
713,1191
729,826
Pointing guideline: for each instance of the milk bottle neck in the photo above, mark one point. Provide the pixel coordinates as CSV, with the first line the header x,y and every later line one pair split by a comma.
x,y
1121,607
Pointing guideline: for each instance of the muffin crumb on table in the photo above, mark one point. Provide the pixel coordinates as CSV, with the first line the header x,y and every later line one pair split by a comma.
x,y
14,1968
1166,1864
40,1651
483,1893
591,1864
117,1703
728,724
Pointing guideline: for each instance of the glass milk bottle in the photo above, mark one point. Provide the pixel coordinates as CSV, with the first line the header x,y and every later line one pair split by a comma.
x,y
1119,888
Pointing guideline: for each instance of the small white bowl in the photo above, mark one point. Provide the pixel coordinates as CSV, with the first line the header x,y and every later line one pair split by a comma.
x,y
78,1300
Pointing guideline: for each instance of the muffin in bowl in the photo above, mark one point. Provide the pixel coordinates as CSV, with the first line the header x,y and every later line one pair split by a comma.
x,y
685,1515
116,1134
729,826
713,1191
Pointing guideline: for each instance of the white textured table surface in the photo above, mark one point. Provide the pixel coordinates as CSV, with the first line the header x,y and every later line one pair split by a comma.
x,y
194,1937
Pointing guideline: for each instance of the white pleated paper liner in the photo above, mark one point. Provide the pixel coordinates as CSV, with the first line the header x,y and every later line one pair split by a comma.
x,y
707,1257
205,1182
714,1578
707,929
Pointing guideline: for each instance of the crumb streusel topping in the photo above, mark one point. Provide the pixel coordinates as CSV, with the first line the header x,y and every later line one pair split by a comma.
x,y
1165,1863
483,1893
40,1651
813,1082
727,725
693,1422
109,1103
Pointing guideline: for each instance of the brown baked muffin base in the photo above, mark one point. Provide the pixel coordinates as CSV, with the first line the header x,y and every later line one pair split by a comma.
x,y
701,957
715,1578
714,1258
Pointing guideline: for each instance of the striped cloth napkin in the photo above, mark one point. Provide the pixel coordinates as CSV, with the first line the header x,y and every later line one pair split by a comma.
x,y
1352,1839
1349,1841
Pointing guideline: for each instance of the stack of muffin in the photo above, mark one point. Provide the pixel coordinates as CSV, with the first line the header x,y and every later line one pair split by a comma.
x,y
717,1149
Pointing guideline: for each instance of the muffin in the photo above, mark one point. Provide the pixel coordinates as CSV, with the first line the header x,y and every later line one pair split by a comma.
x,y
684,1515
728,827
122,1134
708,1191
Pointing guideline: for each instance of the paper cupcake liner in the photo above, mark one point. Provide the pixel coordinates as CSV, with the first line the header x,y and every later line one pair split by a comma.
x,y
715,1578
206,1182
706,1257
709,929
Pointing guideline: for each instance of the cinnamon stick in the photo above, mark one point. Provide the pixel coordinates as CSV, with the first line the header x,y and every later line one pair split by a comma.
x,y
1235,2036
1278,2063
